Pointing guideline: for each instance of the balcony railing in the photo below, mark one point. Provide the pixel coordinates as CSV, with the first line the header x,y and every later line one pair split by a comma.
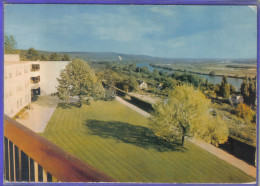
x,y
30,157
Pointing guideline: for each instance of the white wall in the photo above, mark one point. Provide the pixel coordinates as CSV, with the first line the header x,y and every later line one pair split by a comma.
x,y
11,57
49,72
17,90
17,85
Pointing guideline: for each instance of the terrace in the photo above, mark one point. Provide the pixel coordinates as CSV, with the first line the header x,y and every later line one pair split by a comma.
x,y
35,67
30,157
35,80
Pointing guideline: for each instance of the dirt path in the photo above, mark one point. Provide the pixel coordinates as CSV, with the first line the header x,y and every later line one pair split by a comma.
x,y
248,169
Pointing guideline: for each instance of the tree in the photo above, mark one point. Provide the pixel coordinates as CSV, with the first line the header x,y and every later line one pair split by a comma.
x,y
32,54
9,44
248,91
211,129
54,57
43,57
252,92
232,88
224,88
244,111
65,57
212,73
79,81
185,113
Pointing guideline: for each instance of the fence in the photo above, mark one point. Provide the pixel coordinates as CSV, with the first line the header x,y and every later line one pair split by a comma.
x,y
30,157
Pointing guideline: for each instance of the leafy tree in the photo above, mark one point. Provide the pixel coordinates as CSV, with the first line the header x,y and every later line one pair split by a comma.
x,y
244,111
248,91
65,57
252,91
211,129
144,69
43,57
9,44
224,88
186,112
212,73
54,57
79,81
232,88
32,54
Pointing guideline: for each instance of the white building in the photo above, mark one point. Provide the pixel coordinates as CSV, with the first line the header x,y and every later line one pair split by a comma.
x,y
23,79
143,85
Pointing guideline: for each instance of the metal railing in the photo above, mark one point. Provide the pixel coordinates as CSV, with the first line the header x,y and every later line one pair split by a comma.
x,y
32,158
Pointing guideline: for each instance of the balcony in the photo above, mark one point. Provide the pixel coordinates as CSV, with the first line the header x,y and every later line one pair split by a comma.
x,y
35,80
32,158
35,67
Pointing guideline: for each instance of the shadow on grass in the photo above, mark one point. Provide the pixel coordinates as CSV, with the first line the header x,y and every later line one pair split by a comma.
x,y
127,133
66,105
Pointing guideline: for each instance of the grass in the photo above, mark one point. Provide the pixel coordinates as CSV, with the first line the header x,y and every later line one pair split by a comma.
x,y
117,140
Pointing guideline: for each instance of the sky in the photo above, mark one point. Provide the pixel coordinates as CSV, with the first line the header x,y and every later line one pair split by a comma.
x,y
172,31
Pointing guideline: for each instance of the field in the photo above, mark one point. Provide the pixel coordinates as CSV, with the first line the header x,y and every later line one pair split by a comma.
x,y
221,68
117,140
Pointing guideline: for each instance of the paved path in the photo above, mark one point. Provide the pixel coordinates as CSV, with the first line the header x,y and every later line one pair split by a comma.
x,y
146,114
41,113
248,169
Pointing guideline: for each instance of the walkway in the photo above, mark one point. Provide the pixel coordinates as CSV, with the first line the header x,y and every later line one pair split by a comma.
x,y
248,169
137,109
41,113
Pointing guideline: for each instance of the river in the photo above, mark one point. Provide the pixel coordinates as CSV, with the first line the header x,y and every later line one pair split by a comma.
x,y
236,82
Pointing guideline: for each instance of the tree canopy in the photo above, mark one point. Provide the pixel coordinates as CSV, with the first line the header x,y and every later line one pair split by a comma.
x,y
32,54
9,44
187,112
248,91
54,57
79,81
224,88
65,57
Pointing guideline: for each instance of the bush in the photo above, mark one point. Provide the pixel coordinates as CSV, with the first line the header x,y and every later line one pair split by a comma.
x,y
244,112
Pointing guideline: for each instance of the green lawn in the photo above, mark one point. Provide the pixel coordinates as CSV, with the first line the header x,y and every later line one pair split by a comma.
x,y
116,140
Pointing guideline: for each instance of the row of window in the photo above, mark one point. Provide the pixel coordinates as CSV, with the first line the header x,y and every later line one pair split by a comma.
x,y
20,101
18,89
18,73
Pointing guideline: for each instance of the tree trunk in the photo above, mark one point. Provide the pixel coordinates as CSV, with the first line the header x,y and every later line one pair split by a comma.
x,y
182,140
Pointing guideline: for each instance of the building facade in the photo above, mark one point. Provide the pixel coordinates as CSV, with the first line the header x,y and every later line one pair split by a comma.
x,y
24,79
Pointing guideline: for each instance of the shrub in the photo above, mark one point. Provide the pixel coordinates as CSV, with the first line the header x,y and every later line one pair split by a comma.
x,y
245,112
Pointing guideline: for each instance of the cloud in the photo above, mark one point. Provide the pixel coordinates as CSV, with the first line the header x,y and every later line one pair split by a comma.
x,y
123,28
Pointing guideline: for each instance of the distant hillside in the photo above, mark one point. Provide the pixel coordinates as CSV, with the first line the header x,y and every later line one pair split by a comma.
x,y
112,56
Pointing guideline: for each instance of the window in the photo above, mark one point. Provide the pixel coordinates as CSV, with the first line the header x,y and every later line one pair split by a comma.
x,y
35,67
10,75
21,101
18,104
6,76
35,79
